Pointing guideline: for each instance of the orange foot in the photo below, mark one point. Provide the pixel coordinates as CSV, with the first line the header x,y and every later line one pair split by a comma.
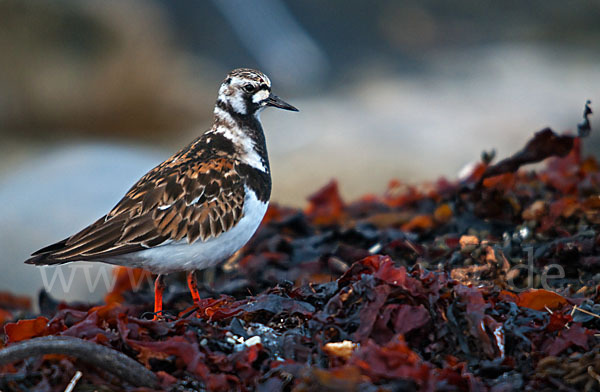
x,y
193,286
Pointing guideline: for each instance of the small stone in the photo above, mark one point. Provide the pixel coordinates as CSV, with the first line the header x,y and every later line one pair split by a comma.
x,y
468,243
254,340
340,349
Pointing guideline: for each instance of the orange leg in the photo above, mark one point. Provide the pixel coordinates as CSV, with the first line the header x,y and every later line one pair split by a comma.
x,y
159,288
193,286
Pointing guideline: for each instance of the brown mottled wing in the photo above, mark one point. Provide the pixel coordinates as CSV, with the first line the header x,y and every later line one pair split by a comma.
x,y
178,199
201,203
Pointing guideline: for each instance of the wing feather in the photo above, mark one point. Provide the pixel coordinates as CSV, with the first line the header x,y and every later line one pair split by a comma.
x,y
195,201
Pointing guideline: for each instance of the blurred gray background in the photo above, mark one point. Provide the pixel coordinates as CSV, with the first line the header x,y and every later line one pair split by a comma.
x,y
94,93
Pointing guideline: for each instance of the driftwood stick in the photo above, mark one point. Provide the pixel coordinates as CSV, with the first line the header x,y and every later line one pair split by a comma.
x,y
93,354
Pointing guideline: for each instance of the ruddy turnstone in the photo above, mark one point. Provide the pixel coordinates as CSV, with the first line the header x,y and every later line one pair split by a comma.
x,y
198,207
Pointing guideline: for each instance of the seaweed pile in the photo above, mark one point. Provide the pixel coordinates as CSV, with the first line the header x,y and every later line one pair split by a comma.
x,y
487,283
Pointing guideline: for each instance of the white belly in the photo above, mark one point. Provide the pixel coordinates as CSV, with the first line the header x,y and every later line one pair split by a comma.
x,y
181,256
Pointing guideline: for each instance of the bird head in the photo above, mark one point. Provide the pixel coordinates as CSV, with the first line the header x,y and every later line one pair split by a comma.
x,y
247,92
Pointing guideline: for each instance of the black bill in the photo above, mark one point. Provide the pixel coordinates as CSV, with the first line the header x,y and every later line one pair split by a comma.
x,y
277,102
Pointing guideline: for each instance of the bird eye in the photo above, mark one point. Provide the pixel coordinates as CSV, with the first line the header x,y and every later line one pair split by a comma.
x,y
248,88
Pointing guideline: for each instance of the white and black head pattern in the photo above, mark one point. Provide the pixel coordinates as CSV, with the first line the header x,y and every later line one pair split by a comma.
x,y
246,92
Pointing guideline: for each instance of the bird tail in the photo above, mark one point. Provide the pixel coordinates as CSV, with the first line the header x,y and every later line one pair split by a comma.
x,y
45,256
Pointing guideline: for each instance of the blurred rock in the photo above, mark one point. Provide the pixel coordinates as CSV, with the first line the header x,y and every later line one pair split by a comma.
x,y
98,67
